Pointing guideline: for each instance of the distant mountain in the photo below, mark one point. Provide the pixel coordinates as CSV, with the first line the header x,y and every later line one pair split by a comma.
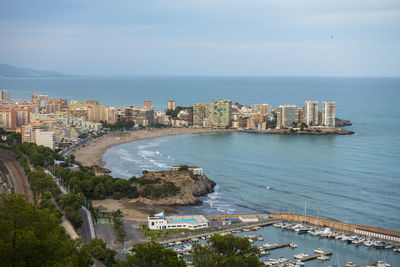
x,y
12,71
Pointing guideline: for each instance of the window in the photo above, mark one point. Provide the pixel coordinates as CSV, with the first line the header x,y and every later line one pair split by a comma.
x,y
152,223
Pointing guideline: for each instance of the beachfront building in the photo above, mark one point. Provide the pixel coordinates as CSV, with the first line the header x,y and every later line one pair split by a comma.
x,y
142,116
300,111
220,113
328,114
200,114
264,109
161,221
287,115
311,112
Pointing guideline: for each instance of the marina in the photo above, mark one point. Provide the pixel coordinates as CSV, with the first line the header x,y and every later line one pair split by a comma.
x,y
282,245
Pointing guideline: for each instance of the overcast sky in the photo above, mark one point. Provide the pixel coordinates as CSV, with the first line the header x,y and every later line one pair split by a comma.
x,y
203,37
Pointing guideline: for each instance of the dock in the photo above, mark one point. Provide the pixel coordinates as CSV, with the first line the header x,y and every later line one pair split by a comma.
x,y
367,264
206,233
278,246
312,257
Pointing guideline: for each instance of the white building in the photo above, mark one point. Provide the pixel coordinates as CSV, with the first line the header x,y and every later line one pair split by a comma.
x,y
161,221
196,170
248,218
328,114
311,112
44,138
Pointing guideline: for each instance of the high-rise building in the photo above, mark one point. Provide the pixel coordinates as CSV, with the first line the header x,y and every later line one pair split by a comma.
x,y
200,114
220,113
45,138
140,115
264,109
4,96
28,132
300,117
287,115
311,112
328,113
8,119
171,104
148,104
55,105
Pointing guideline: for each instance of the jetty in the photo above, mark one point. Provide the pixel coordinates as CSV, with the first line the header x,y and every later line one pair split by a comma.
x,y
308,258
278,246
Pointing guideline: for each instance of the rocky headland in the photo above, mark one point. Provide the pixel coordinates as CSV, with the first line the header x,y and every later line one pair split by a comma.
x,y
342,123
322,131
170,188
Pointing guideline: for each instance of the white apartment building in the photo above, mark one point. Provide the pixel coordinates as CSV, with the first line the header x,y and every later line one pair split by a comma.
x,y
311,112
45,138
328,113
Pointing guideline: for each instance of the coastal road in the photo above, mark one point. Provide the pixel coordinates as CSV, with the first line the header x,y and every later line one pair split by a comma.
x,y
18,176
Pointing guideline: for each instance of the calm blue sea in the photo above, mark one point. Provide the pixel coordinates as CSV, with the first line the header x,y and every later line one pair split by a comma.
x,y
354,178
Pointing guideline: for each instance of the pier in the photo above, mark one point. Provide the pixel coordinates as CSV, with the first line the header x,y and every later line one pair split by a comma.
x,y
278,246
312,257
364,230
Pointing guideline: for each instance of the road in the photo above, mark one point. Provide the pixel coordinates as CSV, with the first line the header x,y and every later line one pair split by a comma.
x,y
86,234
87,225
18,176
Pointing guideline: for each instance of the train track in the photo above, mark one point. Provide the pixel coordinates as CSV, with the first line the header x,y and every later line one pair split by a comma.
x,y
17,174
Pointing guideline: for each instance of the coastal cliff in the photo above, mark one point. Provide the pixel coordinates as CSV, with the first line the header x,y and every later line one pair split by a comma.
x,y
170,188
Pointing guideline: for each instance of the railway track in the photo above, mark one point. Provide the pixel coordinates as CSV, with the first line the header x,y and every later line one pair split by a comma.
x,y
17,174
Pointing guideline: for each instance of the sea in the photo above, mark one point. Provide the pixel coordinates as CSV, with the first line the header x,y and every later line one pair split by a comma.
x,y
351,178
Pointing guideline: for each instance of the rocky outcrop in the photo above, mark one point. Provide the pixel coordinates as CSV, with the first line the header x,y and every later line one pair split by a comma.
x,y
342,123
189,185
323,131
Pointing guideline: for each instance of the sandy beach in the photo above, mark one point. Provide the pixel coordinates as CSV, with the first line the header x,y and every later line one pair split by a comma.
x,y
91,155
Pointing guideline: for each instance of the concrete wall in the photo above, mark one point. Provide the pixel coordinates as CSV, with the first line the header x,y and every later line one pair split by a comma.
x,y
313,220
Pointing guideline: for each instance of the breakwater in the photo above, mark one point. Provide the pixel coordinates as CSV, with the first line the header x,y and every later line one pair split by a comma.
x,y
346,227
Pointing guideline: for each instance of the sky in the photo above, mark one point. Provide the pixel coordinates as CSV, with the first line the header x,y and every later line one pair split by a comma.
x,y
203,37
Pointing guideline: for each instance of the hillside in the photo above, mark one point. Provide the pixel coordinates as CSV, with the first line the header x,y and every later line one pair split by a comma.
x,y
12,71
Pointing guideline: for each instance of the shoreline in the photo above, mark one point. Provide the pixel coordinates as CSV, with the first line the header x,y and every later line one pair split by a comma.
x,y
91,154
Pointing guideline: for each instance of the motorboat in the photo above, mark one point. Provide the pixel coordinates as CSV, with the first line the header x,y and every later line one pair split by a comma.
x,y
300,256
318,250
323,258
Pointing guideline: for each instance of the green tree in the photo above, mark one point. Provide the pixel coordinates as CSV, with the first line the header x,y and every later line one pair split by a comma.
x,y
73,216
151,255
302,126
99,191
33,237
226,251
183,168
97,249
